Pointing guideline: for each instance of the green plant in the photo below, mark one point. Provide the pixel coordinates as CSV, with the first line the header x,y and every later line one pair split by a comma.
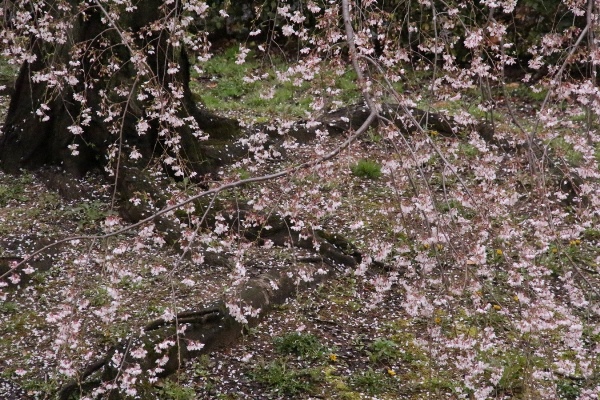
x,y
371,382
515,371
97,296
88,213
175,391
284,379
568,389
383,350
201,366
243,173
9,307
299,344
467,150
567,150
12,192
366,169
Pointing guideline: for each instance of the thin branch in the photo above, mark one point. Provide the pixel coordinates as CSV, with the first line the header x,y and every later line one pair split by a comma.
x,y
354,56
363,128
558,75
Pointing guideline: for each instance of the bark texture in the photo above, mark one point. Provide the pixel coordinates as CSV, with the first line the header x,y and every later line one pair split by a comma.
x,y
29,142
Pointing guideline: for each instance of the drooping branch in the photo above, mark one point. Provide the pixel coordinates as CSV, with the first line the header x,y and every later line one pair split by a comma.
x,y
228,186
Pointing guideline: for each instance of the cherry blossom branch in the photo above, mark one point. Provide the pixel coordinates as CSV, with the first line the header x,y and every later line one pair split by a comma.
x,y
418,126
558,75
354,56
366,124
346,143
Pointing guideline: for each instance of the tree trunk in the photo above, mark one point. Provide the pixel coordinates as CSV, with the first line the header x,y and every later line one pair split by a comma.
x,y
35,137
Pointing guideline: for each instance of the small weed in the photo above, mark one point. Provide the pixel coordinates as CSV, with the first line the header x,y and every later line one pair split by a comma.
x,y
568,389
383,350
515,372
243,173
8,307
373,136
290,381
12,192
468,150
175,391
298,344
366,169
97,296
371,382
447,206
201,366
88,213
567,150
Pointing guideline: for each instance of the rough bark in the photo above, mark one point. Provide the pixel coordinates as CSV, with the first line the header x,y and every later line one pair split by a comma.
x,y
30,143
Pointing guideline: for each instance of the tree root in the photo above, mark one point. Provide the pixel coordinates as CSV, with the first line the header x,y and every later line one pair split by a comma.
x,y
214,326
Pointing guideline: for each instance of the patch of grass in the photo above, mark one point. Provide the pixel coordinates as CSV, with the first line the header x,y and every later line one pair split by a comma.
x,y
12,192
287,380
568,389
366,169
467,150
175,391
97,296
224,86
299,344
9,307
371,382
567,151
88,213
516,372
447,206
7,70
383,350
243,173
526,92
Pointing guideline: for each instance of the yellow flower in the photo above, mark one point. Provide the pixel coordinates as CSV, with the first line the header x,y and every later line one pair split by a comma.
x,y
438,320
497,307
499,252
332,357
391,372
516,298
